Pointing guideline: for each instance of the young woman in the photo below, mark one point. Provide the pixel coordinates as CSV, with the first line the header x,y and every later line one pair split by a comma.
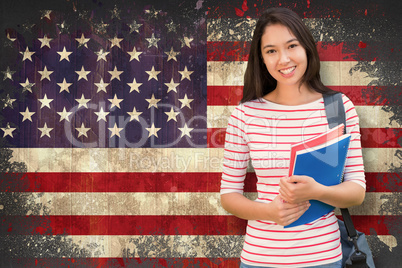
x,y
283,104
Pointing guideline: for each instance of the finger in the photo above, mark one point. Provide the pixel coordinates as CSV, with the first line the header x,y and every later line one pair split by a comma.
x,y
297,213
296,179
296,206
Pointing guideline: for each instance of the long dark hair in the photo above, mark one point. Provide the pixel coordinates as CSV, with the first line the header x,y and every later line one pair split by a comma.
x,y
257,80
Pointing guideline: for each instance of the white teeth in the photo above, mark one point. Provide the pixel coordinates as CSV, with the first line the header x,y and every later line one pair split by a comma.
x,y
288,71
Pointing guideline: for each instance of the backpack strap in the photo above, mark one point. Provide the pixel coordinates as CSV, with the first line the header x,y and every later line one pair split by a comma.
x,y
336,115
334,109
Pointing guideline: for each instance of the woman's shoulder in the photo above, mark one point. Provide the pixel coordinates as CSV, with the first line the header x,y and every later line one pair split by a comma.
x,y
347,102
252,104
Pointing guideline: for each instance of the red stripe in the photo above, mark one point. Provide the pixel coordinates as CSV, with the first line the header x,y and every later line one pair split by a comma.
x,y
359,95
370,137
228,51
327,51
123,225
381,137
124,262
294,263
154,182
160,225
111,182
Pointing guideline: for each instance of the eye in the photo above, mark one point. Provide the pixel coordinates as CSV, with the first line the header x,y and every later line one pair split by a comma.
x,y
293,46
270,51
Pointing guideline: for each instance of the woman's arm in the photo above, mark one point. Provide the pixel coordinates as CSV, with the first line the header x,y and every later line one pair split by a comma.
x,y
278,211
297,189
349,193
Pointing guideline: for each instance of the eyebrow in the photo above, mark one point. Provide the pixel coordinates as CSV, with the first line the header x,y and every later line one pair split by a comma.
x,y
290,41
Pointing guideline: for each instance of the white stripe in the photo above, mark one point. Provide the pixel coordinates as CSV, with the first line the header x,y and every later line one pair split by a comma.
x,y
119,160
155,203
160,160
148,246
333,73
369,117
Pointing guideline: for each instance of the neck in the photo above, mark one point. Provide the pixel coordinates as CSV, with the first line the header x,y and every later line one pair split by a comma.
x,y
293,95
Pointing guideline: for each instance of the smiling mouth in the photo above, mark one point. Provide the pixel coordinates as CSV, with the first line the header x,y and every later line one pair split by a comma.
x,y
288,70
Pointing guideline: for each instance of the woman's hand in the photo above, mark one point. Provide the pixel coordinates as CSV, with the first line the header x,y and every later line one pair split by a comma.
x,y
278,210
298,189
284,213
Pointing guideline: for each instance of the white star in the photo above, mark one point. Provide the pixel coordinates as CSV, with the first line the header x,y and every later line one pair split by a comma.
x,y
82,130
45,74
115,13
185,74
115,102
185,131
153,131
134,86
101,86
8,102
45,102
8,131
134,115
115,74
134,54
172,115
82,102
101,115
101,27
64,86
153,41
46,14
64,115
64,54
172,55
45,41
185,102
45,130
115,130
8,74
115,41
102,55
27,115
134,27
153,74
27,54
153,102
82,74
153,13
171,27
185,41
82,41
27,86
172,86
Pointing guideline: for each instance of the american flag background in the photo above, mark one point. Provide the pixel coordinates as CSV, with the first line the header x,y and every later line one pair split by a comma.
x,y
113,117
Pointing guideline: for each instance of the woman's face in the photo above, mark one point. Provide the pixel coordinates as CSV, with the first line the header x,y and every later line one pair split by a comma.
x,y
283,55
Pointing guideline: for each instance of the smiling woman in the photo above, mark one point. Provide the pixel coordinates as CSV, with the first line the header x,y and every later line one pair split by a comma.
x,y
283,34
284,57
283,104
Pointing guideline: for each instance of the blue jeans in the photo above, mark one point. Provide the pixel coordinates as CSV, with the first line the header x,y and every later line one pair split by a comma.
x,y
337,264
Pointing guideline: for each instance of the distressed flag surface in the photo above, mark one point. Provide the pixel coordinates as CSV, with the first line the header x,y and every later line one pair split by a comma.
x,y
113,122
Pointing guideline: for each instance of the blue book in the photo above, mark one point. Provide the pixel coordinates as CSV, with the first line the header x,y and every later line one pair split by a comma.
x,y
325,163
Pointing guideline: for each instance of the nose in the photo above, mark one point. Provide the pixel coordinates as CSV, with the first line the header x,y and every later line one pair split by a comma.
x,y
284,58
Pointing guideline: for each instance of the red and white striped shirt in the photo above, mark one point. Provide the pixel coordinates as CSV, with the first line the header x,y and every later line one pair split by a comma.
x,y
262,131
